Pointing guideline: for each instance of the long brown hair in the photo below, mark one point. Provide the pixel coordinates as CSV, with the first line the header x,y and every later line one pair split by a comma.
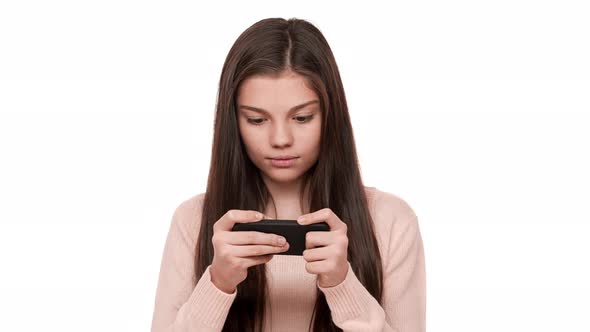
x,y
269,47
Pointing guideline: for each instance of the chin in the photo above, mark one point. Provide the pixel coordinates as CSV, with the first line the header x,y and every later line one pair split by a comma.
x,y
282,175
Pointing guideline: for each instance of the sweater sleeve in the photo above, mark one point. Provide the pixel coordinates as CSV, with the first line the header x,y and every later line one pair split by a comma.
x,y
182,304
353,308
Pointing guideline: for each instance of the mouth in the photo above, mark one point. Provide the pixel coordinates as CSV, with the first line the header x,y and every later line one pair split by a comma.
x,y
283,162
284,158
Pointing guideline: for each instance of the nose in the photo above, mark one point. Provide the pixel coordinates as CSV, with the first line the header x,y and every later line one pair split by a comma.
x,y
281,135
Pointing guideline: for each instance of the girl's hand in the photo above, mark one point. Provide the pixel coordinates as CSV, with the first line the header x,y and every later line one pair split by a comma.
x,y
326,252
235,252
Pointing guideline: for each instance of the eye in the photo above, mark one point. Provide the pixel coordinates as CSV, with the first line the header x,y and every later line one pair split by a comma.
x,y
305,118
253,121
300,119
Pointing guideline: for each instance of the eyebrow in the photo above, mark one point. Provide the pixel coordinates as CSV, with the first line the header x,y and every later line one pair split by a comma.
x,y
293,109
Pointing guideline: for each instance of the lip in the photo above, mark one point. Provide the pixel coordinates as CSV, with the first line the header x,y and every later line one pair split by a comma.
x,y
283,163
283,157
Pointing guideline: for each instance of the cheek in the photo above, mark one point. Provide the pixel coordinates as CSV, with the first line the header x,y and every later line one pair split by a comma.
x,y
315,135
252,141
248,135
308,141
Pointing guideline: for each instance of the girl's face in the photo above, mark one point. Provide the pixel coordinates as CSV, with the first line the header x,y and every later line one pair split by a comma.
x,y
279,116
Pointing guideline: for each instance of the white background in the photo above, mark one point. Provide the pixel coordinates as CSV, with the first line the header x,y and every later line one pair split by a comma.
x,y
476,113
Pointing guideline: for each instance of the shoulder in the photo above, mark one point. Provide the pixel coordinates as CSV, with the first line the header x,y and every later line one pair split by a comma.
x,y
387,207
393,217
187,214
190,205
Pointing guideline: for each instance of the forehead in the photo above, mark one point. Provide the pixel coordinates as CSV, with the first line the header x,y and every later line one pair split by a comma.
x,y
275,92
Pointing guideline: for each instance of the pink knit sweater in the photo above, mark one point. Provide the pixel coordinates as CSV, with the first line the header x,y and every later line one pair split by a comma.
x,y
182,304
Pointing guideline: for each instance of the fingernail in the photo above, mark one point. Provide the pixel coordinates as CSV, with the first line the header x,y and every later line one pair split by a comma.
x,y
282,241
301,219
258,215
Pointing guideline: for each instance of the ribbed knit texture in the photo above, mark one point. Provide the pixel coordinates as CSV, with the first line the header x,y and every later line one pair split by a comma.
x,y
185,304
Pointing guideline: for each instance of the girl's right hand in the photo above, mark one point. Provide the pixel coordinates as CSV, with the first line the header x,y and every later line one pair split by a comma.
x,y
235,252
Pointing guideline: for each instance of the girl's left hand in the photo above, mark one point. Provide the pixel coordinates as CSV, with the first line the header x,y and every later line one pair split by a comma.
x,y
329,261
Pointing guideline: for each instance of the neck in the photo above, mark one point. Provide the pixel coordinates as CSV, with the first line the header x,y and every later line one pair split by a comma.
x,y
285,202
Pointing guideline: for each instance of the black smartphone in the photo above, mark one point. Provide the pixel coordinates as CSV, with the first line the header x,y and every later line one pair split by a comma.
x,y
289,229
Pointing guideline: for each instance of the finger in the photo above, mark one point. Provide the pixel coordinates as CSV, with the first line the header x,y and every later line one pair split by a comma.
x,y
257,250
251,237
318,254
317,239
325,215
318,267
227,221
255,260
